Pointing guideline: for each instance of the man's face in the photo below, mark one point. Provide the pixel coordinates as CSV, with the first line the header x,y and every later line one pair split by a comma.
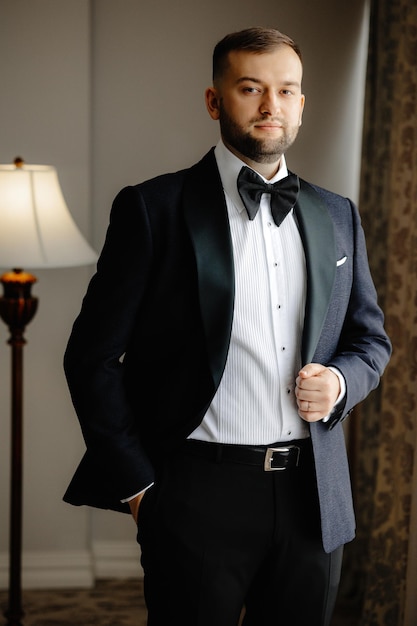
x,y
259,104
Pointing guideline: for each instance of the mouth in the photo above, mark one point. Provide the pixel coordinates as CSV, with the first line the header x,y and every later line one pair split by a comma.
x,y
268,125
269,128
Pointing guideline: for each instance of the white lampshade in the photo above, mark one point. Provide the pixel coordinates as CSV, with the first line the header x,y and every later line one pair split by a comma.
x,y
36,227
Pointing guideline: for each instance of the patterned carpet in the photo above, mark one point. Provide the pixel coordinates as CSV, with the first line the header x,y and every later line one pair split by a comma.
x,y
110,603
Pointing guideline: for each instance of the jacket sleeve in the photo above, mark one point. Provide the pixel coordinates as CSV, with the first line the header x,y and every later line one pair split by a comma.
x,y
364,348
94,354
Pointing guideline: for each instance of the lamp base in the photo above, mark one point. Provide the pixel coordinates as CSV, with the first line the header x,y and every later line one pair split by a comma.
x,y
13,619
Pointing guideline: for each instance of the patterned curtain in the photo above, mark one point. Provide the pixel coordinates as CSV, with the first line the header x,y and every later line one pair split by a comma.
x,y
383,432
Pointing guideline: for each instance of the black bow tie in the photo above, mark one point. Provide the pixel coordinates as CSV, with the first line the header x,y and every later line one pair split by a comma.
x,y
284,193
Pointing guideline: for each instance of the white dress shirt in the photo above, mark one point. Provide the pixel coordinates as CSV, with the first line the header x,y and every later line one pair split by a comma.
x,y
255,402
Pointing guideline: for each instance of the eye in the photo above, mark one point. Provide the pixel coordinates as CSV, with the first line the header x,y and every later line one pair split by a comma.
x,y
251,90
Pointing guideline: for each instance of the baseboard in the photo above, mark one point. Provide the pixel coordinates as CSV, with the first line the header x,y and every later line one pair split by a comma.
x,y
52,570
76,568
116,559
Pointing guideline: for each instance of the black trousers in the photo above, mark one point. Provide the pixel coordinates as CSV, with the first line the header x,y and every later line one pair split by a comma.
x,y
222,538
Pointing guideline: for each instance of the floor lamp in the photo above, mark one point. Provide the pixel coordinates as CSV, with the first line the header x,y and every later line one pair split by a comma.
x,y
36,231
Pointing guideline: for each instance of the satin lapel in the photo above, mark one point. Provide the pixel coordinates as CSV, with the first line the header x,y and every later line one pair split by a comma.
x,y
316,230
205,214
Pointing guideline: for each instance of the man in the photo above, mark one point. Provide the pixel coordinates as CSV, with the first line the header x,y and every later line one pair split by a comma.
x,y
228,331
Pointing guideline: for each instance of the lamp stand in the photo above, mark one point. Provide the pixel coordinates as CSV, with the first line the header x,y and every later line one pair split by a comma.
x,y
17,308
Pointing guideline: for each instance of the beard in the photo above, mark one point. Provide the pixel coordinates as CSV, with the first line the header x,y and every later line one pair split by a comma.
x,y
268,150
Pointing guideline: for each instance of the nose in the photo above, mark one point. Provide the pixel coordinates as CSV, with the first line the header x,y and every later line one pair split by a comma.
x,y
270,103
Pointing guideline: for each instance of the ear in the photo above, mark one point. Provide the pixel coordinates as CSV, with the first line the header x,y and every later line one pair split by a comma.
x,y
302,103
213,102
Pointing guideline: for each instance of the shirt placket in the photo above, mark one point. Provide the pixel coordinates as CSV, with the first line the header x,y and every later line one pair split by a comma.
x,y
277,278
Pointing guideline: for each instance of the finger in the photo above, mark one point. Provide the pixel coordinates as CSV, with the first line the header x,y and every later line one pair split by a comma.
x,y
311,416
306,406
303,405
311,411
311,369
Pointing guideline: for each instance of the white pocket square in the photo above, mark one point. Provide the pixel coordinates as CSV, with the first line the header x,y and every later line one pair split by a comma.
x,y
341,261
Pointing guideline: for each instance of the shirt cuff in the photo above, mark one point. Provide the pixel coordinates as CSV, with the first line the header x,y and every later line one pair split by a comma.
x,y
341,394
136,494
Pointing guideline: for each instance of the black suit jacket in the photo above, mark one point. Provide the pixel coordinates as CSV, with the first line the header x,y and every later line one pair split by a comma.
x,y
147,352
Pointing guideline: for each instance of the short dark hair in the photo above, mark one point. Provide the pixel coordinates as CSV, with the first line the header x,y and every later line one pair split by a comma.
x,y
256,40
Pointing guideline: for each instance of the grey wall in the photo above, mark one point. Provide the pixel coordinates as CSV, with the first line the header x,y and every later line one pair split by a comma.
x,y
112,93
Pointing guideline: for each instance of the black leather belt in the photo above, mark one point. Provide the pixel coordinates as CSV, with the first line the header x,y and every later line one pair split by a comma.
x,y
276,457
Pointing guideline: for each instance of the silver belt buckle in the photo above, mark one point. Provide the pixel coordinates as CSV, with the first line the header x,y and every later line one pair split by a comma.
x,y
269,456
